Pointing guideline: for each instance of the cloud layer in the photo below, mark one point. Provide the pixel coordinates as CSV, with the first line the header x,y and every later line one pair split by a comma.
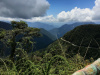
x,y
36,8
23,8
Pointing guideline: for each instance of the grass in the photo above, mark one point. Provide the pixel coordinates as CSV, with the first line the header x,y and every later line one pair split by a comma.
x,y
47,64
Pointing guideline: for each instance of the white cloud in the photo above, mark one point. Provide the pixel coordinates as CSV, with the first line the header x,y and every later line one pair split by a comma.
x,y
76,14
8,19
49,18
96,10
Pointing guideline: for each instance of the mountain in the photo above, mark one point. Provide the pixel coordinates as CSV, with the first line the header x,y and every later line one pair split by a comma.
x,y
5,25
46,39
85,33
45,32
67,27
41,25
83,40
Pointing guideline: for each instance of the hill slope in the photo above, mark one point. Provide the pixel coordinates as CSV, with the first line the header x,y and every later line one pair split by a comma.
x,y
85,33
5,25
45,32
73,44
46,39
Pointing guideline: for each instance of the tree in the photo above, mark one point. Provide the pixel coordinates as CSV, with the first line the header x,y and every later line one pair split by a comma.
x,y
2,33
19,28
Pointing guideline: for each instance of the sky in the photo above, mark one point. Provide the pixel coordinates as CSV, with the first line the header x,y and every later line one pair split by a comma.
x,y
58,6
50,11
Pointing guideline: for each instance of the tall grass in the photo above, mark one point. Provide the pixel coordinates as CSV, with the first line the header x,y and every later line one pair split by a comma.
x,y
47,65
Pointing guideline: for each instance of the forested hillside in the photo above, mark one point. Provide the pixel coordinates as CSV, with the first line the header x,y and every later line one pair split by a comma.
x,y
43,41
62,57
85,33
84,40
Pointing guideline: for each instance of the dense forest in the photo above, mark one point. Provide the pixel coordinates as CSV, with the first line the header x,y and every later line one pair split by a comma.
x,y
59,58
85,33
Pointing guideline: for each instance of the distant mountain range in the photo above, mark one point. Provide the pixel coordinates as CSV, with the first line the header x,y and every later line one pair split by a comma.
x,y
40,25
67,27
5,25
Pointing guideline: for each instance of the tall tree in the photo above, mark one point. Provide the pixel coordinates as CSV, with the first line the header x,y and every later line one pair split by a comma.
x,y
19,28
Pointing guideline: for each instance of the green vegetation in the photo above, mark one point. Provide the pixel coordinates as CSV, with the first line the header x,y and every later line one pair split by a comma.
x,y
59,58
43,41
86,36
18,29
85,33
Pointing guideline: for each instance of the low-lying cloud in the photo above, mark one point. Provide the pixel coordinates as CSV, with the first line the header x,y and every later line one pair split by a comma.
x,y
23,8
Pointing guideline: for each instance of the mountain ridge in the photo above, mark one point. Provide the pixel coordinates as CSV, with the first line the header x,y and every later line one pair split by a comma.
x,y
87,47
67,27
41,25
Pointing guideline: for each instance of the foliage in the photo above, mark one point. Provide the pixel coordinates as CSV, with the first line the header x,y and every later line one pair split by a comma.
x,y
85,32
59,58
2,33
19,28
46,66
86,38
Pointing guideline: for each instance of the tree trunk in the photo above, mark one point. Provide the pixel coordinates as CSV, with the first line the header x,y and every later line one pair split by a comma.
x,y
13,47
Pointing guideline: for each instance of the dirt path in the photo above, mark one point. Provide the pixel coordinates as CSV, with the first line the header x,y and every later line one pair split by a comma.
x,y
74,44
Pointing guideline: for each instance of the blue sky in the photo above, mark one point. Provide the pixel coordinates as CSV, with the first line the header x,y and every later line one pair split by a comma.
x,y
56,6
50,11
